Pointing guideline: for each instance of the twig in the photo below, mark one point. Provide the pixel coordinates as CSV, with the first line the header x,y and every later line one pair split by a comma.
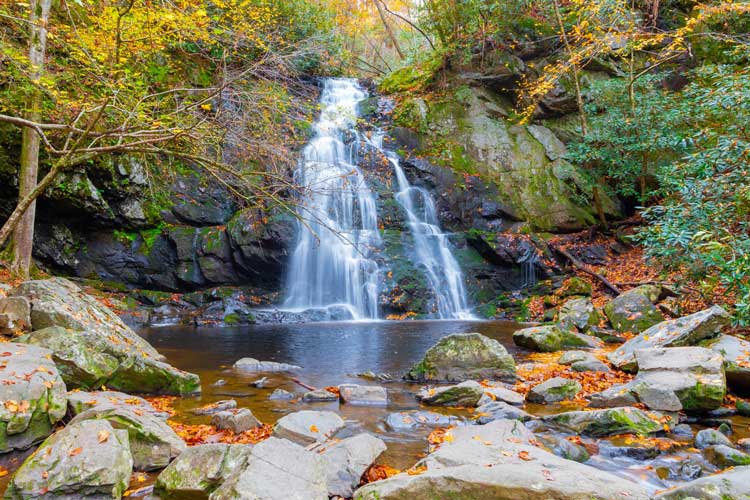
x,y
308,387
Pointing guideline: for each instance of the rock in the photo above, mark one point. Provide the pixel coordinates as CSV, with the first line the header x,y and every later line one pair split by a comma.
x,y
736,367
551,338
87,459
565,449
89,360
615,396
253,365
731,485
199,470
743,408
32,393
725,456
679,378
575,286
218,406
632,312
15,315
711,437
744,443
153,443
499,461
260,383
504,395
637,449
683,431
577,314
237,420
464,394
570,357
277,469
499,410
307,427
346,461
281,395
592,365
80,401
680,332
412,419
319,396
652,292
608,422
461,357
363,395
554,390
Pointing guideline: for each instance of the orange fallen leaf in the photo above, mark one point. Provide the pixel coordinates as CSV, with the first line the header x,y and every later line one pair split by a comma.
x,y
415,471
3,471
75,452
524,455
313,428
102,436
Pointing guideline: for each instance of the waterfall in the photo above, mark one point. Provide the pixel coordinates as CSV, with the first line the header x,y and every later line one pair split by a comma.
x,y
332,263
432,247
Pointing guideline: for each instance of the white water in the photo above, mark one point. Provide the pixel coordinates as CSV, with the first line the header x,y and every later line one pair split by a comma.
x,y
332,263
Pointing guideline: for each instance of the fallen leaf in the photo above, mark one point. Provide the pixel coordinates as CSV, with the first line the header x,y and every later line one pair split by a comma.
x,y
313,428
75,452
102,436
524,455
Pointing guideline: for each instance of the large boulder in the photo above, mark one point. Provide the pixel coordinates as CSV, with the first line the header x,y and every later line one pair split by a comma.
x,y
15,315
554,390
80,401
32,395
733,484
499,461
308,427
347,460
199,470
577,313
88,459
551,338
680,332
88,360
632,312
464,394
500,410
679,378
736,354
277,469
465,356
608,422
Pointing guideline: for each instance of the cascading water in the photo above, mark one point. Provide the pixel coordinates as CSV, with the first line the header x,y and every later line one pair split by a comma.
x,y
431,244
332,263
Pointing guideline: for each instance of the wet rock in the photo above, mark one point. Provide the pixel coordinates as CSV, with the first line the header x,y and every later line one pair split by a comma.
x,y
499,410
153,443
565,449
238,420
615,396
307,427
577,314
632,312
734,351
733,484
591,365
260,383
743,408
683,431
689,470
281,395
744,444
711,437
363,395
221,382
88,360
725,456
631,448
464,394
679,378
253,365
461,357
498,460
570,357
347,460
412,419
319,396
554,390
87,459
608,422
277,469
32,393
551,338
199,470
607,335
15,315
223,405
80,401
680,332
504,395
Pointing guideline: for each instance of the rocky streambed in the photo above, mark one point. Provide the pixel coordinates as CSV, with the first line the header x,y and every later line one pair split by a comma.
x,y
613,403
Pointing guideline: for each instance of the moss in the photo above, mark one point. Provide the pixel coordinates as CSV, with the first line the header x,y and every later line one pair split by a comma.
x,y
232,319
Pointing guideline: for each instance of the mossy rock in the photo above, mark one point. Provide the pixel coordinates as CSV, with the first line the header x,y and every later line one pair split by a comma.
x,y
609,422
550,338
576,286
632,312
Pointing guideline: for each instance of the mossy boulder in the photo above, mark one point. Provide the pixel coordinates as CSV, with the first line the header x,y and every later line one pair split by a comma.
x,y
730,485
88,360
464,394
554,390
32,393
725,456
550,338
466,356
578,313
608,422
736,366
632,311
576,286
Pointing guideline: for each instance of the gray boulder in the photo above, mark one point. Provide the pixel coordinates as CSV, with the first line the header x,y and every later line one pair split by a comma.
x,y
281,395
551,338
15,315
591,365
499,410
346,461
570,357
608,422
199,470
363,395
319,396
632,312
504,395
89,360
564,448
725,456
679,378
32,393
412,419
252,365
87,459
578,314
680,332
710,437
735,352
461,357
277,469
464,394
613,397
733,484
307,427
554,390
237,420
79,401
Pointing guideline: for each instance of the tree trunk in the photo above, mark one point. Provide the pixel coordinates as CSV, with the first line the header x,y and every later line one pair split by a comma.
x,y
388,29
575,65
23,236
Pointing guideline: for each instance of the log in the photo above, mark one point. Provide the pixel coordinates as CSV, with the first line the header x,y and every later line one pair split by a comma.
x,y
583,267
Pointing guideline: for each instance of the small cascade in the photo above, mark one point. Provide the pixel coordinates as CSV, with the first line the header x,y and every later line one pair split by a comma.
x,y
431,244
332,265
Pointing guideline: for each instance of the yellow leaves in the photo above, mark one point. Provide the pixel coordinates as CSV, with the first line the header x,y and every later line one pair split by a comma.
x,y
313,428
102,436
17,407
76,451
206,106
3,471
415,471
